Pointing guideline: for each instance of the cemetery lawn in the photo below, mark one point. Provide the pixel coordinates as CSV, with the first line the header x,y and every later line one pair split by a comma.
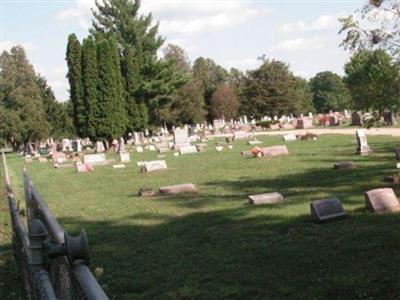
x,y
214,245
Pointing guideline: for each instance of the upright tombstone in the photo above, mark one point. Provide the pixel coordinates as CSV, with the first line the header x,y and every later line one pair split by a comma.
x,y
155,165
289,137
139,149
382,200
121,145
363,147
327,210
180,138
99,147
124,157
356,119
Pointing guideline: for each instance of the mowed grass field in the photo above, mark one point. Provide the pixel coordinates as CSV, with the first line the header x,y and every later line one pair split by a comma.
x,y
214,245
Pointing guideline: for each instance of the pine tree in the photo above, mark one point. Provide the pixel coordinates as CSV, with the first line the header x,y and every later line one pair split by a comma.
x,y
156,79
74,75
89,80
109,104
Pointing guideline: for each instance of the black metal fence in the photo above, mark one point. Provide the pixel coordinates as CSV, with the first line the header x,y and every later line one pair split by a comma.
x,y
52,264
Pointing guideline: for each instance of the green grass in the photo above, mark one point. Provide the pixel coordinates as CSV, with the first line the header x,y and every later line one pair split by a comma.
x,y
214,245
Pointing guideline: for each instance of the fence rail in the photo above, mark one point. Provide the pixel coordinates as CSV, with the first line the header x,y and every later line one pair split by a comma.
x,y
52,265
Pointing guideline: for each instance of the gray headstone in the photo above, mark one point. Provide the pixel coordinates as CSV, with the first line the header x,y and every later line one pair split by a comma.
x,y
155,165
327,210
363,147
124,157
95,159
382,200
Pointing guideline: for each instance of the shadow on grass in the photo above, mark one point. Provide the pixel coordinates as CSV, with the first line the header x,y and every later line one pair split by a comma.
x,y
232,255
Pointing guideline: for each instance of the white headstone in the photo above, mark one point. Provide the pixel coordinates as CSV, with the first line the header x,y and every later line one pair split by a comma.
x,y
139,149
155,165
363,147
95,159
187,150
180,138
124,157
289,137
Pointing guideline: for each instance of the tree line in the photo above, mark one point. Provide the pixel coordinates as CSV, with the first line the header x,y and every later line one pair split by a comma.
x,y
119,83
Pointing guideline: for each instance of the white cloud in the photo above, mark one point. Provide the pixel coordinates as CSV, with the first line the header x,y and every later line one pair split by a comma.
x,y
80,12
322,23
299,44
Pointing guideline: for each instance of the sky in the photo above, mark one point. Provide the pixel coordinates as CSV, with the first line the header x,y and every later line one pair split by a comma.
x,y
234,33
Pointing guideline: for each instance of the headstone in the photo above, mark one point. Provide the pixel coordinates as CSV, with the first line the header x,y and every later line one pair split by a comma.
x,y
178,189
152,148
398,166
356,119
363,147
289,137
230,147
121,145
124,157
219,148
95,159
180,138
99,147
327,210
254,142
42,159
274,126
139,149
187,150
345,165
275,150
304,123
270,198
144,192
382,200
287,126
119,166
241,135
155,165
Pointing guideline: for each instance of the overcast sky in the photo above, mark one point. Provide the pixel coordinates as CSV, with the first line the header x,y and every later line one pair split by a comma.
x,y
233,33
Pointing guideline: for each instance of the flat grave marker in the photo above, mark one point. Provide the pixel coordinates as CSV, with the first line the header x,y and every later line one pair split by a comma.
x,y
269,198
95,159
178,189
187,150
155,165
289,137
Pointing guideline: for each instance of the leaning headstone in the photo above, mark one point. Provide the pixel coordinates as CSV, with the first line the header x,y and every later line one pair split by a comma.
x,y
382,200
344,165
178,189
95,159
327,210
289,137
270,198
187,150
363,147
155,165
124,157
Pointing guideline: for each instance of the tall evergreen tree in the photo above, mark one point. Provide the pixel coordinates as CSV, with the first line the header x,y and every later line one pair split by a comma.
x,y
109,103
89,81
74,75
156,79
20,100
136,113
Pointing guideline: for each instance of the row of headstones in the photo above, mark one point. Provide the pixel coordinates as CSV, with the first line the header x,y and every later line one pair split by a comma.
x,y
378,200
